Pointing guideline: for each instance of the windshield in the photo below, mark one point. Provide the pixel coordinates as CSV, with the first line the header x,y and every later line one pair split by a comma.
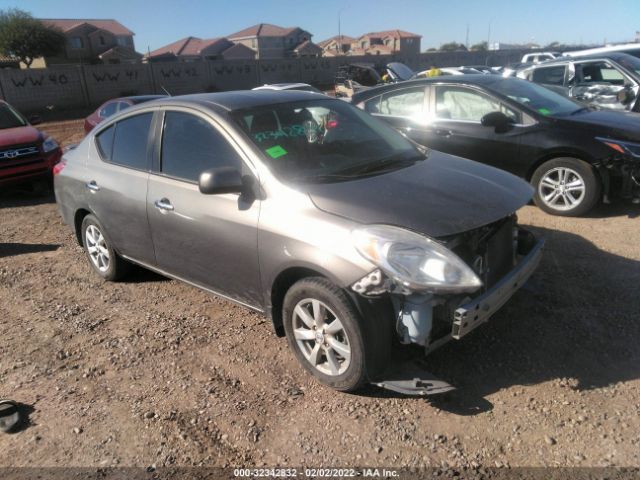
x,y
9,118
324,140
535,97
630,63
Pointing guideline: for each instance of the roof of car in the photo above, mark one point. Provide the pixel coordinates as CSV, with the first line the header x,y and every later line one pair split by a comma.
x,y
281,86
594,56
483,80
241,99
144,98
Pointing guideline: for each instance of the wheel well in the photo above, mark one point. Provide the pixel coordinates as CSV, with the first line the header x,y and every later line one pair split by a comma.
x,y
77,223
553,156
281,285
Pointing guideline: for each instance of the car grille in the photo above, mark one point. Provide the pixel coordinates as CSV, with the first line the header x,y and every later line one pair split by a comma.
x,y
19,152
20,156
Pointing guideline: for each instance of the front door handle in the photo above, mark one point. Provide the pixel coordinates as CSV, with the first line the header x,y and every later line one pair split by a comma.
x,y
93,186
163,204
443,132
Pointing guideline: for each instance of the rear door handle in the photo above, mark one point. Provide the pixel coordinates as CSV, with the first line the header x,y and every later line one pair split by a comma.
x,y
93,186
163,204
443,133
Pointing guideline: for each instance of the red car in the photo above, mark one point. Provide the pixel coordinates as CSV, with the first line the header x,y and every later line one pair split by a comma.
x,y
26,153
115,105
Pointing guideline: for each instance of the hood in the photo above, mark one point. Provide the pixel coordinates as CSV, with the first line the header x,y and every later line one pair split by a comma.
x,y
619,125
440,196
19,136
399,71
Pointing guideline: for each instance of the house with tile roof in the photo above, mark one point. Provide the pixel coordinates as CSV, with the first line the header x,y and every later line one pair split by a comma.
x,y
190,49
337,45
94,41
271,41
393,41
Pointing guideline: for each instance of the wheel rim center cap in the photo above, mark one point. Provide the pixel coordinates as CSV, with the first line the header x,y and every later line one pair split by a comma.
x,y
319,336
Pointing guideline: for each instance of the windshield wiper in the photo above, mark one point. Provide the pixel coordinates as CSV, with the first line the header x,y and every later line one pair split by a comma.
x,y
383,164
583,109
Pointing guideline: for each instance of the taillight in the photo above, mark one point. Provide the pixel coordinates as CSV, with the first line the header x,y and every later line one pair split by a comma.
x,y
57,168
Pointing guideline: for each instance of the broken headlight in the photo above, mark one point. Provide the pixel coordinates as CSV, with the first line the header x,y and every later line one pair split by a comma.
x,y
415,261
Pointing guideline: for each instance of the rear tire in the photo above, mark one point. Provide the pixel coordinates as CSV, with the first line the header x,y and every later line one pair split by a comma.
x,y
328,337
566,187
100,253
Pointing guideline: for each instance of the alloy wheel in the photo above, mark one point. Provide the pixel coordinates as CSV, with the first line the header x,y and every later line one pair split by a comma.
x,y
321,337
97,248
562,188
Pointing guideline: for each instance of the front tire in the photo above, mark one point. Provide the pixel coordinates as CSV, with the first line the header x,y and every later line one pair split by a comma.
x,y
566,186
327,335
100,253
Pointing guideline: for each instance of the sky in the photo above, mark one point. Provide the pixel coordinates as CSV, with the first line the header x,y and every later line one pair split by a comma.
x,y
159,22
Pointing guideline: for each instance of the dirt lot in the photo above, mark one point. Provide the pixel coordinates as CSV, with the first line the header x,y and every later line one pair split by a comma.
x,y
154,372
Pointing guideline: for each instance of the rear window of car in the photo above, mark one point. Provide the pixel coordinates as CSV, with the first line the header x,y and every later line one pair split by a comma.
x,y
549,75
125,142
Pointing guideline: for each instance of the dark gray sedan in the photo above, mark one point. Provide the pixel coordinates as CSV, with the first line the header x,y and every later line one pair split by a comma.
x,y
346,234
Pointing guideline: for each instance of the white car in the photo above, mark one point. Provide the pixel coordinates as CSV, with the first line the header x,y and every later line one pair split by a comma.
x,y
539,57
305,87
629,48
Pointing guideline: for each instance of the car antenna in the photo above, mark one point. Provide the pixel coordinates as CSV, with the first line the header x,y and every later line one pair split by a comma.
x,y
165,90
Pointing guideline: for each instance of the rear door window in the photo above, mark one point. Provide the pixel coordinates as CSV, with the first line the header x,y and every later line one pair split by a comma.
x,y
191,145
598,72
408,102
549,75
130,142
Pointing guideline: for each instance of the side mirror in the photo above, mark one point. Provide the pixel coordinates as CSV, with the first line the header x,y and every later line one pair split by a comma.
x,y
498,120
35,119
220,180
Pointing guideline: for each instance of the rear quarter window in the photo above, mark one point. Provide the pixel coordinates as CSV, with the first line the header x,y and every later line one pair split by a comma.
x,y
104,141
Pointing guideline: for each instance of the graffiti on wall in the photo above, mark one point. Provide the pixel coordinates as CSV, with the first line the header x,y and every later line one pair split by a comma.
x,y
35,80
129,75
179,72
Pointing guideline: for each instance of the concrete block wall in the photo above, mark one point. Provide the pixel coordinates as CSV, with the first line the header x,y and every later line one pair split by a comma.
x,y
36,89
108,81
74,86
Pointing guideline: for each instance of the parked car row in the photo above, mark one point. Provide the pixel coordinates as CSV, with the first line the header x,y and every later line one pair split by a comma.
x,y
354,226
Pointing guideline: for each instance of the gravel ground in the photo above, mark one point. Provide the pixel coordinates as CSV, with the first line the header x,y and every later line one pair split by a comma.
x,y
153,372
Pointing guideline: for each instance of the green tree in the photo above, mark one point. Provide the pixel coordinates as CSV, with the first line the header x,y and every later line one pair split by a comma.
x,y
27,38
480,47
452,47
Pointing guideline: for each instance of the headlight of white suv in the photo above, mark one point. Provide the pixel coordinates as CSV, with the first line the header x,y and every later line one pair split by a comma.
x,y
415,261
49,144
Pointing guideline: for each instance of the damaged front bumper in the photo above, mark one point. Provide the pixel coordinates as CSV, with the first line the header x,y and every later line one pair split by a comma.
x,y
431,321
474,313
623,164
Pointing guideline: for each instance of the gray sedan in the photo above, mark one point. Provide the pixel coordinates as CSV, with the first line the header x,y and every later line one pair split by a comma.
x,y
350,237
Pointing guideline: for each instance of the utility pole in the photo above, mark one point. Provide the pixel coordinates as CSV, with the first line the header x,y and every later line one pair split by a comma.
x,y
340,46
466,42
489,35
